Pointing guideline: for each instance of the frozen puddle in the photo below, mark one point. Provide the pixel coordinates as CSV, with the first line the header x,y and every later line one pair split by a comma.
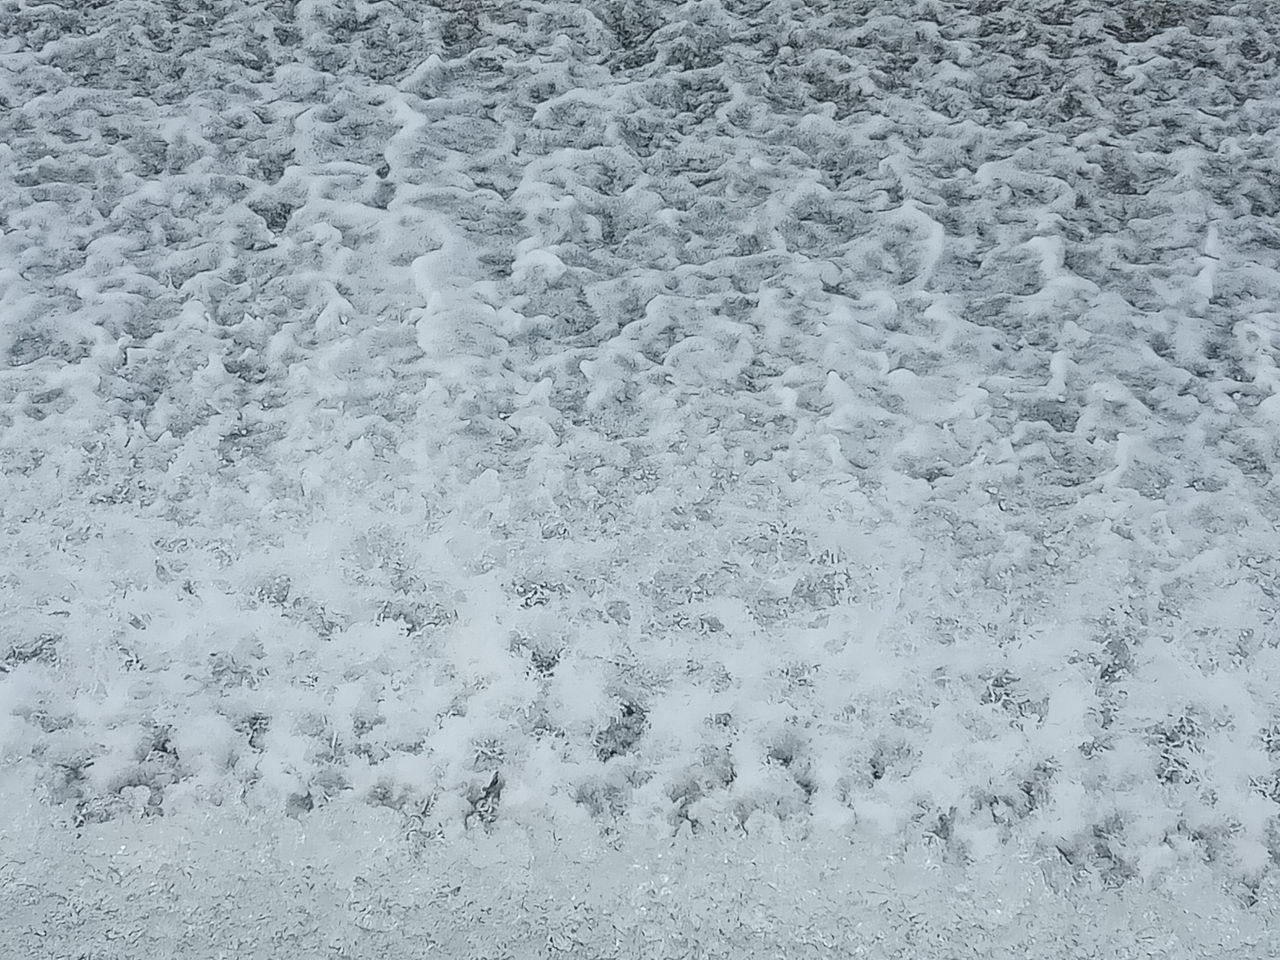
x,y
821,433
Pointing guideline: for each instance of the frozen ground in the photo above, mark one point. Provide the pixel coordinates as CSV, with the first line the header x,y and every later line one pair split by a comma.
x,y
503,441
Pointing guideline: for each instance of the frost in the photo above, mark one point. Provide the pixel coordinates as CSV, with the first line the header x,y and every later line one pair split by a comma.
x,y
690,423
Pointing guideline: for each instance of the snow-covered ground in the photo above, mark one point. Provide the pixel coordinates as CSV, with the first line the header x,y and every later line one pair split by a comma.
x,y
830,444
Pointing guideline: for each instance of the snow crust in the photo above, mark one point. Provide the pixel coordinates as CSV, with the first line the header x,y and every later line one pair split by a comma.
x,y
647,423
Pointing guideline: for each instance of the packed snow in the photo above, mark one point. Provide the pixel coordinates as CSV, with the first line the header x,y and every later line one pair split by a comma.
x,y
838,429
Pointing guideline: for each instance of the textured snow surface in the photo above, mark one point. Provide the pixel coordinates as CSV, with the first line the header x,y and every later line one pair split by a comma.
x,y
219,885
855,420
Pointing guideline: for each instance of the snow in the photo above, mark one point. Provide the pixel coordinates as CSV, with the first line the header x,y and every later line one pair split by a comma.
x,y
823,431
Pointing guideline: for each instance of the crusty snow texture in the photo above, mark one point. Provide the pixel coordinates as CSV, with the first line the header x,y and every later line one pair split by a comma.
x,y
697,418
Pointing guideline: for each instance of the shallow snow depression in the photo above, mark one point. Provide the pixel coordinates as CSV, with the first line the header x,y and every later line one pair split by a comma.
x,y
516,439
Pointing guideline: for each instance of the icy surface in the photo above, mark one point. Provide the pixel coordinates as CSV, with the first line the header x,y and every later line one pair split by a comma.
x,y
854,419
220,885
